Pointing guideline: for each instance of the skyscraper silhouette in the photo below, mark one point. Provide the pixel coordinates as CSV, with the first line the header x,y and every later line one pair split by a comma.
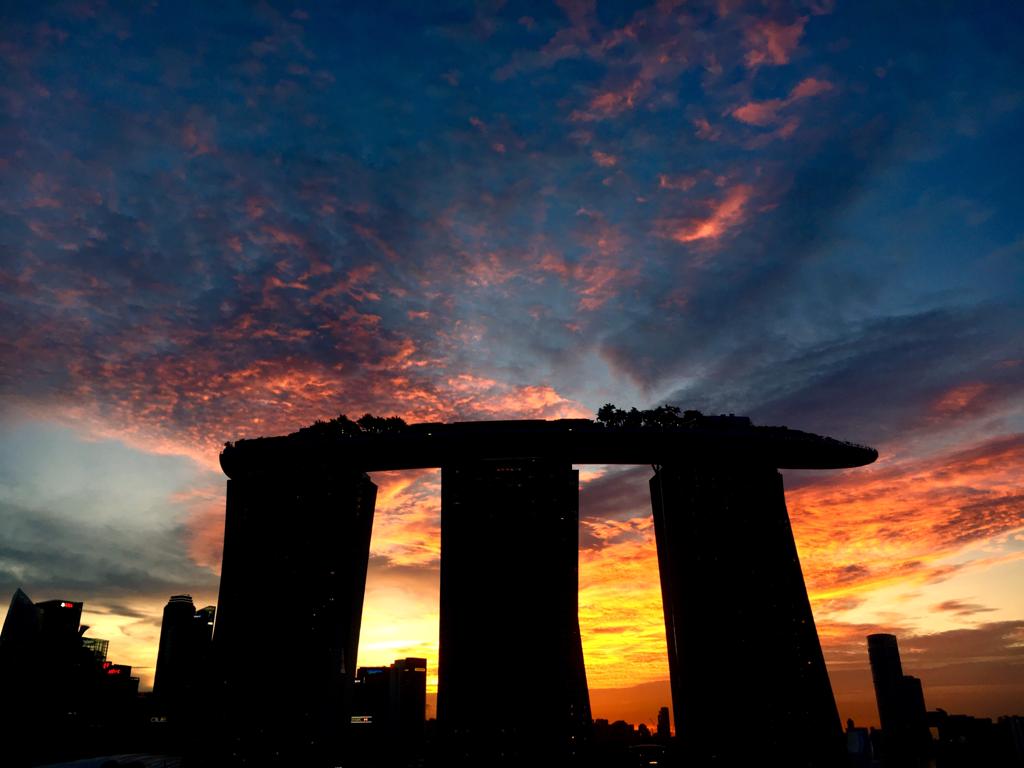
x,y
512,684
182,662
291,599
901,707
738,621
389,713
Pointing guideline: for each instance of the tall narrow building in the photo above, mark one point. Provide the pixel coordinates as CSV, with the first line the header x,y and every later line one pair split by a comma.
x,y
296,549
748,676
182,662
901,709
512,683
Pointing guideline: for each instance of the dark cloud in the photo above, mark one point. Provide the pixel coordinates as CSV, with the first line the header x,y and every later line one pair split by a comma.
x,y
961,608
856,385
52,556
619,494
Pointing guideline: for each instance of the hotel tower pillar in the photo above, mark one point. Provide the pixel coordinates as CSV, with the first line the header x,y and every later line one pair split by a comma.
x,y
748,677
512,685
296,548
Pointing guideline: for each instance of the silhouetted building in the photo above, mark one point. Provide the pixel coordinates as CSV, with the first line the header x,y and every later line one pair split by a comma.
x,y
20,633
296,548
389,712
371,698
58,690
299,512
738,620
901,708
858,745
409,698
59,620
887,676
183,659
664,725
512,684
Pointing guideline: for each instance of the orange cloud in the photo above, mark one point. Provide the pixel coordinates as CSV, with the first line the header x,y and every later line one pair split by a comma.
x,y
407,518
725,214
900,522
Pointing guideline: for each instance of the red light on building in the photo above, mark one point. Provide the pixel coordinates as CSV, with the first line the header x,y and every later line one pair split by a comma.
x,y
65,604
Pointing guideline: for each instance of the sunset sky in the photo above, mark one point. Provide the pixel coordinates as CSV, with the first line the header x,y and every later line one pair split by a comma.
x,y
225,220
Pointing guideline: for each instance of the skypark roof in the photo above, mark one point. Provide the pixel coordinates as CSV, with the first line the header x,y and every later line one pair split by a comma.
x,y
708,439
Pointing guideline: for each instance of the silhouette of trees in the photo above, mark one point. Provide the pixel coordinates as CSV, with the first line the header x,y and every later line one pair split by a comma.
x,y
662,417
343,426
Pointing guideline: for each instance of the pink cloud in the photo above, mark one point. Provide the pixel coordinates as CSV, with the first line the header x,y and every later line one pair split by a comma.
x,y
772,43
809,87
610,103
760,113
769,112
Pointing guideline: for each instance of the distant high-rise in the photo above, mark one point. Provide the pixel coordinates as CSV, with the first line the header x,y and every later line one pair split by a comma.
x,y
511,674
182,663
887,676
409,697
901,707
664,725
389,709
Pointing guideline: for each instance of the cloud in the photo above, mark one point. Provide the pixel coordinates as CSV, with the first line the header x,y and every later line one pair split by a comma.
x,y
772,43
961,608
51,554
725,214
765,113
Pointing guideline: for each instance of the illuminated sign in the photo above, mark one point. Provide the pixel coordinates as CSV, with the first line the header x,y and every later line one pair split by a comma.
x,y
64,604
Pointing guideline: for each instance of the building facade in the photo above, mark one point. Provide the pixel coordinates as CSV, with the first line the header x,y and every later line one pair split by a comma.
x,y
511,676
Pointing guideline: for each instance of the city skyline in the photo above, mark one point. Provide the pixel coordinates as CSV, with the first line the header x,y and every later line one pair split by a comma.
x,y
803,455
221,223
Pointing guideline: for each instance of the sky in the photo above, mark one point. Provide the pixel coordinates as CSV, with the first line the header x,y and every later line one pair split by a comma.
x,y
220,221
